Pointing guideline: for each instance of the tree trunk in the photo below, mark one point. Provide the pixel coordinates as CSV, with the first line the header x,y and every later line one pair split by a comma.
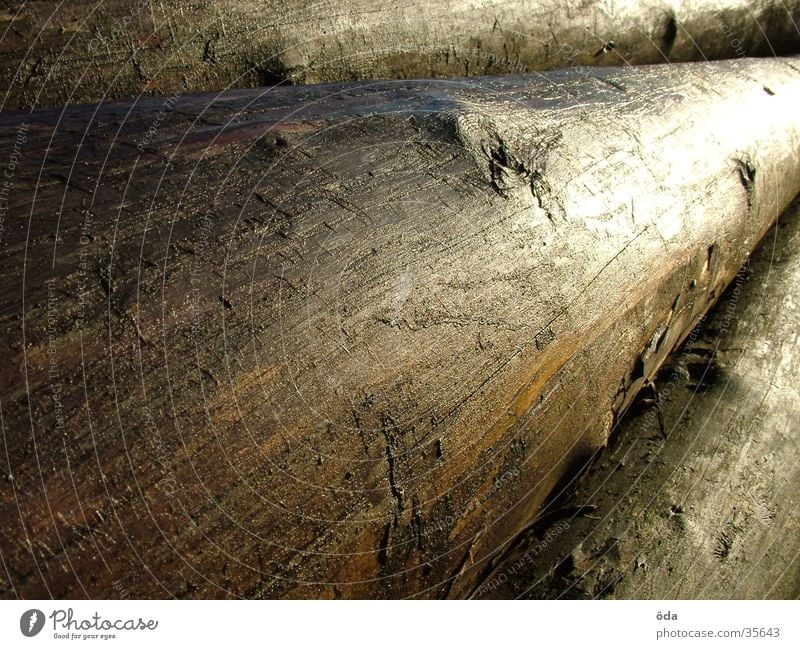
x,y
52,53
698,497
344,340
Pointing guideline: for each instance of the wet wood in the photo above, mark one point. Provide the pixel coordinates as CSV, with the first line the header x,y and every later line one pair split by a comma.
x,y
344,340
52,53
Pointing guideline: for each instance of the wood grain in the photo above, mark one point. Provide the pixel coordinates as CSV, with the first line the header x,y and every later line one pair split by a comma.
x,y
698,496
343,340
53,53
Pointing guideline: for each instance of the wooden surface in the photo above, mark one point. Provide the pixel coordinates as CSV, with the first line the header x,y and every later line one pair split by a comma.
x,y
52,53
344,340
698,498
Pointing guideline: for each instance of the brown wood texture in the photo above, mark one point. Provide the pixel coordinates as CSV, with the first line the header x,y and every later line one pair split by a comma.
x,y
698,498
52,53
343,340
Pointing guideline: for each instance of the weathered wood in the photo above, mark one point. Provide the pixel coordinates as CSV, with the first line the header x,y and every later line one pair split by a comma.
x,y
52,53
698,497
344,340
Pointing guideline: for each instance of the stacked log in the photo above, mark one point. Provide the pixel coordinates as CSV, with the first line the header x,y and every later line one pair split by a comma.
x,y
53,53
697,497
344,340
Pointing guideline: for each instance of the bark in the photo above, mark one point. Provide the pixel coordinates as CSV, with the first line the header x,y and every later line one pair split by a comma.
x,y
698,497
52,53
344,340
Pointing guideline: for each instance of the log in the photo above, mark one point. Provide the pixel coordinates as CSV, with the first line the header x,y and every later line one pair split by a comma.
x,y
344,340
52,53
699,494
